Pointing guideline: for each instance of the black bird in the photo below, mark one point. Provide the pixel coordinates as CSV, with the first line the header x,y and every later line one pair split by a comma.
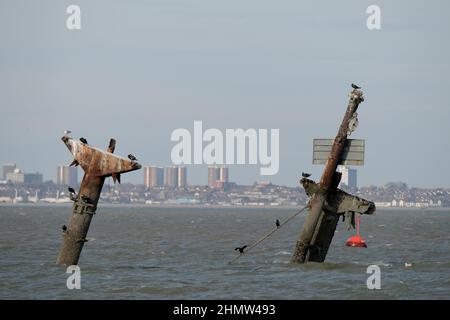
x,y
71,190
241,249
354,86
306,175
131,157
277,223
83,140
64,228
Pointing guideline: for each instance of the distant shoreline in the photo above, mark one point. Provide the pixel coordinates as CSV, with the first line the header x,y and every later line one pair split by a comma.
x,y
197,206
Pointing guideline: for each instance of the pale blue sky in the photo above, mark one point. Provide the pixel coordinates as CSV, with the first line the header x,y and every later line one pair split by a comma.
x,y
140,69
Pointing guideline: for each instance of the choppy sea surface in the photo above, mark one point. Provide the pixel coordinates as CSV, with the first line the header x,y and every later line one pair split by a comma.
x,y
183,253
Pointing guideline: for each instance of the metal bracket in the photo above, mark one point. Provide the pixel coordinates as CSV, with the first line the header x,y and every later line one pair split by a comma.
x,y
82,207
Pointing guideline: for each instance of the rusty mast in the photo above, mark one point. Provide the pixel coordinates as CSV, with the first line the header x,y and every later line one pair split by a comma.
x,y
327,203
97,165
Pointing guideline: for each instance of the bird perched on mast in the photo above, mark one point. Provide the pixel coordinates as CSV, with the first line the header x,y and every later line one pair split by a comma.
x,y
306,175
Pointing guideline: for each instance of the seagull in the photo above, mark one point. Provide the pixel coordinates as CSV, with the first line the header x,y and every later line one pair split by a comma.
x,y
64,228
241,249
66,133
83,140
71,190
306,175
131,157
277,223
354,86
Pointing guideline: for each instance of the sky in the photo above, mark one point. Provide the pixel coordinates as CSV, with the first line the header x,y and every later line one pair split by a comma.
x,y
138,70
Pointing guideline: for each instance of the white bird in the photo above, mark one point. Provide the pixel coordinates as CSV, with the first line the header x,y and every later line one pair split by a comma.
x,y
408,265
66,133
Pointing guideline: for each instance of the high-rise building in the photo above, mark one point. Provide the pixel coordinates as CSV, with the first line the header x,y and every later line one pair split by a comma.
x,y
171,176
224,174
217,176
349,177
182,177
33,178
153,176
17,176
67,176
213,175
7,168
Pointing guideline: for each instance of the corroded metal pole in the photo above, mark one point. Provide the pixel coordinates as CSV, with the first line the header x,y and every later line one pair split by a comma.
x,y
97,165
317,220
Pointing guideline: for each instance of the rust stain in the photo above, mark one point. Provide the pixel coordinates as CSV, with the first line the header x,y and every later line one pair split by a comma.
x,y
97,162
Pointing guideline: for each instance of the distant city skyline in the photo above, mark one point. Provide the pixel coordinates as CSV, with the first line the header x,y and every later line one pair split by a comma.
x,y
138,71
219,194
152,176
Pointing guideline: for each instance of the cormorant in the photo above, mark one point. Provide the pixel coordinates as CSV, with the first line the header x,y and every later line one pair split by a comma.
x,y
306,175
83,140
64,228
71,190
354,86
241,249
131,157
277,223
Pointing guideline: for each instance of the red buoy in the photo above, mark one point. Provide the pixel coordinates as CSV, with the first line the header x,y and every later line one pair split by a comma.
x,y
356,240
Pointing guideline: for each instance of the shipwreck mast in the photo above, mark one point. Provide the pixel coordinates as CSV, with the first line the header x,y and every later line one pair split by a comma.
x,y
97,165
318,229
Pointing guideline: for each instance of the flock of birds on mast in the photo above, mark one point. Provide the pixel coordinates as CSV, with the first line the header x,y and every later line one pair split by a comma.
x,y
84,141
74,197
304,175
84,198
72,192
